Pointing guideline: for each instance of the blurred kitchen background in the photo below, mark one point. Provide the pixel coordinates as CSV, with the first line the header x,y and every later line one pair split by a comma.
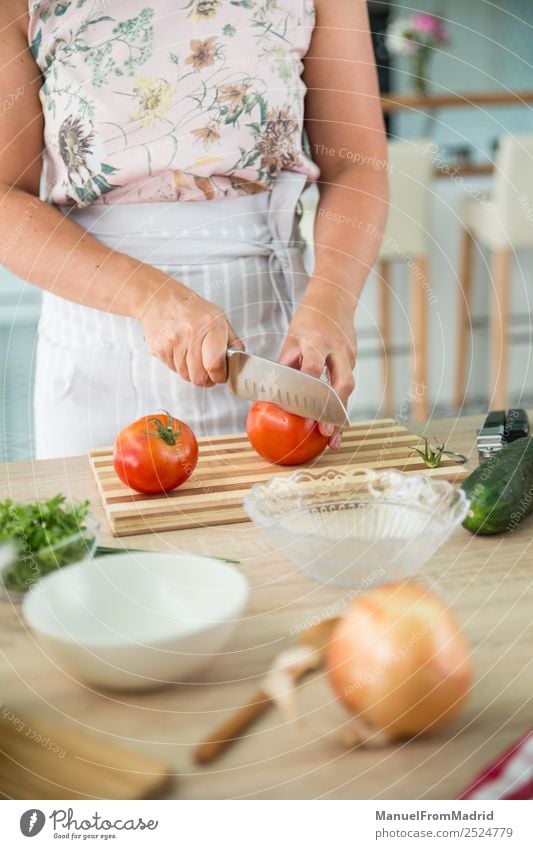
x,y
487,51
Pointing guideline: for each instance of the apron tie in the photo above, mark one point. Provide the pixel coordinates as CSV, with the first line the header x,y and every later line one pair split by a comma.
x,y
282,209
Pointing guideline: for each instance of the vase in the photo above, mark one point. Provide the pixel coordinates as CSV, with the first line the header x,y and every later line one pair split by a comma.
x,y
420,62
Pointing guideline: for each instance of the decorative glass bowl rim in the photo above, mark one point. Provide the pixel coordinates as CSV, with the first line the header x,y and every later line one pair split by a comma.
x,y
286,494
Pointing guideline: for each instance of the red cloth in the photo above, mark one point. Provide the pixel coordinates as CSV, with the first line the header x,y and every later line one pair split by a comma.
x,y
510,776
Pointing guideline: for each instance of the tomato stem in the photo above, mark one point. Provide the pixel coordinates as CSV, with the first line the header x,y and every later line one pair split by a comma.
x,y
165,431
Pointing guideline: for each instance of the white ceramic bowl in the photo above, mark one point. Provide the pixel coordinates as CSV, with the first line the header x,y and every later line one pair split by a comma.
x,y
136,621
356,527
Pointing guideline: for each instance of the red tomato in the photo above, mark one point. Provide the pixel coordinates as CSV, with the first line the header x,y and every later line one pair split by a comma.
x,y
153,455
281,437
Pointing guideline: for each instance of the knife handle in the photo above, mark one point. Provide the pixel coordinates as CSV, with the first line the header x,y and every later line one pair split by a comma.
x,y
232,351
495,418
231,729
516,425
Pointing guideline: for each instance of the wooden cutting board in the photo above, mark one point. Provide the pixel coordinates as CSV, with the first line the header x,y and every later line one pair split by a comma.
x,y
40,760
228,466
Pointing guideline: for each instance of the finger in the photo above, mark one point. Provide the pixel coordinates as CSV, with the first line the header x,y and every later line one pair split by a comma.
x,y
336,440
180,362
341,375
164,352
326,429
291,351
291,354
313,360
342,379
214,354
195,364
183,371
167,360
314,363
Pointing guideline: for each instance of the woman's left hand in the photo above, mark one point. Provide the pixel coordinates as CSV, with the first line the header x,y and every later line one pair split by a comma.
x,y
322,335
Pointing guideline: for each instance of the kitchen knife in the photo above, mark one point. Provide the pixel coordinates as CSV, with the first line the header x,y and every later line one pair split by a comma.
x,y
257,379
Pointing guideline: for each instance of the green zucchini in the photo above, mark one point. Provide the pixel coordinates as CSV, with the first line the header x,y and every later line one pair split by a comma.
x,y
500,490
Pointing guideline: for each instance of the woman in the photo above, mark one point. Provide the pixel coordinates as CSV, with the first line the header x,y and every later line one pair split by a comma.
x,y
169,137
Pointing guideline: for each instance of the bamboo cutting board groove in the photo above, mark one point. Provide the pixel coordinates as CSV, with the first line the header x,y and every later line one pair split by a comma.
x,y
228,466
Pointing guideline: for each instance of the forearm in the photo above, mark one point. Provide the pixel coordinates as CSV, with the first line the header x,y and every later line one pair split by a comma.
x,y
46,248
349,225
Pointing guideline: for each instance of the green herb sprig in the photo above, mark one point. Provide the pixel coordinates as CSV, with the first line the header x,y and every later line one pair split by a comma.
x,y
34,530
431,456
105,551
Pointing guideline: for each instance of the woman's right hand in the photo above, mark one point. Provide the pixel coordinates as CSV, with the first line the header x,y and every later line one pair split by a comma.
x,y
189,334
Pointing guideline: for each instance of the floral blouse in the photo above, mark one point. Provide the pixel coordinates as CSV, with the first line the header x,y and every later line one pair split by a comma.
x,y
162,100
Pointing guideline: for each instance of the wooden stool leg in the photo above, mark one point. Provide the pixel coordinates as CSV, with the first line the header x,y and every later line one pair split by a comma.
x,y
384,297
499,326
463,315
420,292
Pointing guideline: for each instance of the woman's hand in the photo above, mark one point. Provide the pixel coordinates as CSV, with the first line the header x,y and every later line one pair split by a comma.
x,y
322,335
189,334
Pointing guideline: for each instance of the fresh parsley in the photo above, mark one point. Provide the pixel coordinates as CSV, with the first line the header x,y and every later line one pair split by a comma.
x,y
45,536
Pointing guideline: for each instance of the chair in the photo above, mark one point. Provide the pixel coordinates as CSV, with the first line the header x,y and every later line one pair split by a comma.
x,y
406,240
503,222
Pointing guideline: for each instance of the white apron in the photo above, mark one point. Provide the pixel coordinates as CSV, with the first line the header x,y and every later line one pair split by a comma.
x,y
94,374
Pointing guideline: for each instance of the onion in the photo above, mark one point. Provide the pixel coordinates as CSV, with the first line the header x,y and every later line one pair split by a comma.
x,y
399,661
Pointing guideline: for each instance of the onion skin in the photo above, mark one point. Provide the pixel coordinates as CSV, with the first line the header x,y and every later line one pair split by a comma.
x,y
399,661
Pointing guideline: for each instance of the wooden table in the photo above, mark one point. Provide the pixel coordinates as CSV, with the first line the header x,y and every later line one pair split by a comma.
x,y
487,581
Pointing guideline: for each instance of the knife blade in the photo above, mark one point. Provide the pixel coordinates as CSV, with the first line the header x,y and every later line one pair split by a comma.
x,y
257,379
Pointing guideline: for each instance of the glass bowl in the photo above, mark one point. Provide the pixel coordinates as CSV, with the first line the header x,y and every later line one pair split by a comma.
x,y
33,565
358,527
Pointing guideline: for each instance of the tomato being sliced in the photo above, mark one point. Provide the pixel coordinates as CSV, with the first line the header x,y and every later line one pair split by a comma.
x,y
281,437
152,455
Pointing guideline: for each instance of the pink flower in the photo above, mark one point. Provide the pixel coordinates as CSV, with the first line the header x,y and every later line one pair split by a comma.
x,y
429,25
419,32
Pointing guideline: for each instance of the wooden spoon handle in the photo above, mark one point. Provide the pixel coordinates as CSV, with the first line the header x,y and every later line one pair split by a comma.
x,y
228,731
